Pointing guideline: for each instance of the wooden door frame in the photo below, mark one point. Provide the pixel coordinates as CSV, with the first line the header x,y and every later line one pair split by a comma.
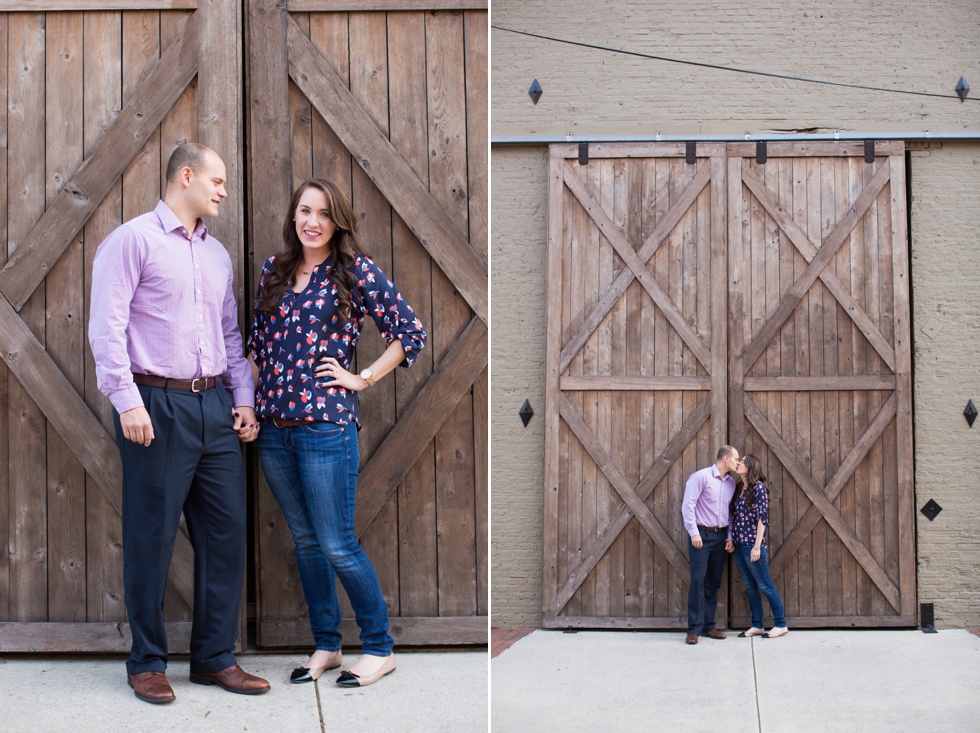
x,y
711,161
900,595
64,409
280,52
736,407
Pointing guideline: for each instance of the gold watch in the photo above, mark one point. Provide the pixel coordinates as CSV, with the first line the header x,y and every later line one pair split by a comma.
x,y
368,376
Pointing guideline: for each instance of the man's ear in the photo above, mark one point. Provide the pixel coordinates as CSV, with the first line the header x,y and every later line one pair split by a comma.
x,y
185,175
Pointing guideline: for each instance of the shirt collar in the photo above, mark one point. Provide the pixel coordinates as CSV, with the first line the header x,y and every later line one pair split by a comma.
x,y
170,222
717,474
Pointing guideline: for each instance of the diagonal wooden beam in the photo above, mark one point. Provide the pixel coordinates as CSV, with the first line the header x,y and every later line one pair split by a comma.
x,y
847,468
79,197
371,148
823,504
608,298
829,248
598,548
94,447
808,249
417,426
637,265
623,486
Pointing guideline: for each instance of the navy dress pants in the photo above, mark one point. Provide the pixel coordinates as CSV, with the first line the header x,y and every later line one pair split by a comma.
x,y
194,465
707,567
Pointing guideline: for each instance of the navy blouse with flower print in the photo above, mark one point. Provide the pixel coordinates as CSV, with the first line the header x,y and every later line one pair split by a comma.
x,y
307,327
745,520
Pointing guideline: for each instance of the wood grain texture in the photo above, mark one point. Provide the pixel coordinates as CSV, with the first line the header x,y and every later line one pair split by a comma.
x,y
425,215
79,197
415,631
73,6
389,5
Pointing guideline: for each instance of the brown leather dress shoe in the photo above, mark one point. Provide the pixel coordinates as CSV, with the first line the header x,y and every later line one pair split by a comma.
x,y
152,687
233,679
714,634
692,638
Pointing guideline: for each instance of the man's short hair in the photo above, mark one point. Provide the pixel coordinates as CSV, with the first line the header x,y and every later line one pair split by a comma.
x,y
190,155
725,450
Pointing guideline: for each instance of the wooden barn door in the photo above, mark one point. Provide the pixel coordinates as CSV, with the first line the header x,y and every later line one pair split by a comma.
x,y
820,374
94,102
814,327
389,99
636,380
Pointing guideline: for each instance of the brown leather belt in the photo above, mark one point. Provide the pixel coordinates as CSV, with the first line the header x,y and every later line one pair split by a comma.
x,y
191,385
713,529
286,422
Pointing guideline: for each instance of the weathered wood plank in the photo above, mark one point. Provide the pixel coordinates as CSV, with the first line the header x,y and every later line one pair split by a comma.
x,y
610,530
369,80
810,384
91,637
79,197
476,46
828,249
554,315
331,6
420,630
827,509
806,247
628,383
103,98
65,332
4,372
451,382
637,265
74,6
330,33
412,271
814,149
429,220
611,294
76,424
27,542
903,373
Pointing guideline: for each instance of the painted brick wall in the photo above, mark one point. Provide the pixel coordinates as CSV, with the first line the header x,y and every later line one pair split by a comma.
x,y
588,93
946,336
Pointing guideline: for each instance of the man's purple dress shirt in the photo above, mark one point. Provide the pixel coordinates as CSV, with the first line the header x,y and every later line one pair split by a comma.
x,y
163,303
706,499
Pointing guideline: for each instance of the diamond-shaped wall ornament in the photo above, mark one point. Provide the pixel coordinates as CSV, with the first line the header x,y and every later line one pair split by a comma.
x,y
931,509
535,91
526,412
970,412
962,89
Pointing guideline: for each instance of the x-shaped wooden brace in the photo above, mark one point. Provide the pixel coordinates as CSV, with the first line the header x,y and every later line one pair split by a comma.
x,y
633,497
636,265
818,258
822,498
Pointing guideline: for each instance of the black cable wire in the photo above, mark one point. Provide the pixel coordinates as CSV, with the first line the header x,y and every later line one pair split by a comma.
x,y
726,68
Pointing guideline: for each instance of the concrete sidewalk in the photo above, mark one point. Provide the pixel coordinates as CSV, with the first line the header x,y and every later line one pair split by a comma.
x,y
430,692
804,682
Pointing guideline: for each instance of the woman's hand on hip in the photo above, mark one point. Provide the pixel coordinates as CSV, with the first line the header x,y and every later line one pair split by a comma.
x,y
330,369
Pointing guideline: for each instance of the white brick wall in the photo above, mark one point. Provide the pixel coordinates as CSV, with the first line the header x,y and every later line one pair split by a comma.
x,y
926,46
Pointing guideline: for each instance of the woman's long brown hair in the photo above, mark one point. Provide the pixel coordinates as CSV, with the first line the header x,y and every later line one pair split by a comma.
x,y
344,245
754,466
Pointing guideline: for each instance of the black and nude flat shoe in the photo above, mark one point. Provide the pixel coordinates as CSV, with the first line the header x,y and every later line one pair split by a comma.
x,y
754,631
309,674
775,632
349,679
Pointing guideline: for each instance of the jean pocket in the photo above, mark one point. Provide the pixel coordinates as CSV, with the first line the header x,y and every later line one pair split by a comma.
x,y
325,429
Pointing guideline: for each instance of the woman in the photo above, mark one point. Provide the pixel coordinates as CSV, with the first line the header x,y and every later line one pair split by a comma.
x,y
310,306
750,517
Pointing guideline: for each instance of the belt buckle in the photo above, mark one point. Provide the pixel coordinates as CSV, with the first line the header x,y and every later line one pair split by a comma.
x,y
194,383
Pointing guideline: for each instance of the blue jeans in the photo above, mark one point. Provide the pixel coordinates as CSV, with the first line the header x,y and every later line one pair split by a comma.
x,y
312,471
755,576
707,566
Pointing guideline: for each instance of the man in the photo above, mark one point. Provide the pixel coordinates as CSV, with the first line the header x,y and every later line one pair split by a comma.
x,y
168,355
705,511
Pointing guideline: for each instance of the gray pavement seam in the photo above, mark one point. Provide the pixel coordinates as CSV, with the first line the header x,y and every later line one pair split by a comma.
x,y
319,707
755,686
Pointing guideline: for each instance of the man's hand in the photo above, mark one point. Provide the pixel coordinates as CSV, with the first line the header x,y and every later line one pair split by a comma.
x,y
246,424
697,542
136,426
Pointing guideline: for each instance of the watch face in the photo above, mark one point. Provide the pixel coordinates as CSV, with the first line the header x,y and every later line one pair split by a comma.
x,y
365,374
